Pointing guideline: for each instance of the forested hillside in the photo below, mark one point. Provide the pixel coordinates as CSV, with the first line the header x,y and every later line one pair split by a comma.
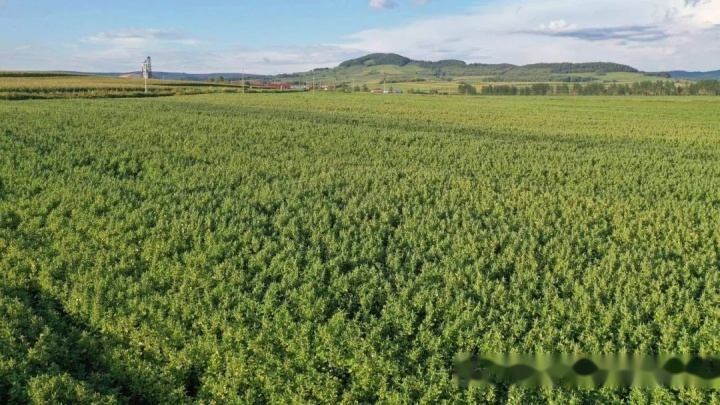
x,y
681,74
400,68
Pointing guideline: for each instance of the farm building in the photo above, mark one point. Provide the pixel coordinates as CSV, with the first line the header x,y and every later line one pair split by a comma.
x,y
281,86
381,91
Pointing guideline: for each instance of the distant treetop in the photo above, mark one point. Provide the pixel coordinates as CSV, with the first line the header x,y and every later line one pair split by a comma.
x,y
458,66
591,67
377,59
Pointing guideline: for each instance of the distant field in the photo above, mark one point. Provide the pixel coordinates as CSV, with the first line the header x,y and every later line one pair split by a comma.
x,y
34,85
625,77
336,248
442,86
23,86
82,81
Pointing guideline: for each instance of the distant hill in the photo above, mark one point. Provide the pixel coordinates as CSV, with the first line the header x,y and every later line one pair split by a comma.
x,y
387,68
458,66
681,74
377,59
453,66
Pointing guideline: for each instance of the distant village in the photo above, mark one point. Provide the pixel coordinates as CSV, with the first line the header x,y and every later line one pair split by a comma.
x,y
147,73
275,85
309,87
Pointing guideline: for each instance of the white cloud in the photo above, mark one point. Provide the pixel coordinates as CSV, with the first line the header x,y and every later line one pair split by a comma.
x,y
270,60
650,35
693,14
558,25
383,4
132,37
390,4
125,49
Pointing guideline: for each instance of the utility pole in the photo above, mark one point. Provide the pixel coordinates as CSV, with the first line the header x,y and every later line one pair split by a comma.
x,y
243,81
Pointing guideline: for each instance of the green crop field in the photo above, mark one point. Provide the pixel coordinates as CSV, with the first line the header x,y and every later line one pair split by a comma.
x,y
22,86
342,248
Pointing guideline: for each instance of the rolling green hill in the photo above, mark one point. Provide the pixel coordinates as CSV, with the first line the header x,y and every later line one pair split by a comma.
x,y
390,68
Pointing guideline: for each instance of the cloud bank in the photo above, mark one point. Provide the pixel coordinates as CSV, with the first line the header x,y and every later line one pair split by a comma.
x,y
650,35
390,4
383,4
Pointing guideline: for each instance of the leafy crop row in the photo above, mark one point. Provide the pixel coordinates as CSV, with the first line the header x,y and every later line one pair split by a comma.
x,y
304,248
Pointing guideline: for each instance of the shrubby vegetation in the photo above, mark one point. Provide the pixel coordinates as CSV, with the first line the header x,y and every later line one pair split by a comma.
x,y
644,88
405,80
593,67
377,59
300,248
539,72
467,89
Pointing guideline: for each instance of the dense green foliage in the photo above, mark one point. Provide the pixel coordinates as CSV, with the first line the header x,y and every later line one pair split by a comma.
x,y
377,59
529,75
328,248
467,89
444,64
591,67
645,88
561,72
499,72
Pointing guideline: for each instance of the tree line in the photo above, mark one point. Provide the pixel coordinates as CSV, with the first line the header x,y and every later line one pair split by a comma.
x,y
644,88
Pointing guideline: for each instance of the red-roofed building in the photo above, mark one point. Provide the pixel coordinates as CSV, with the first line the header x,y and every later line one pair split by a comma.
x,y
281,86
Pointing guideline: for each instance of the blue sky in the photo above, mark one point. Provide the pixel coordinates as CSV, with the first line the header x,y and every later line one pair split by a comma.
x,y
288,36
